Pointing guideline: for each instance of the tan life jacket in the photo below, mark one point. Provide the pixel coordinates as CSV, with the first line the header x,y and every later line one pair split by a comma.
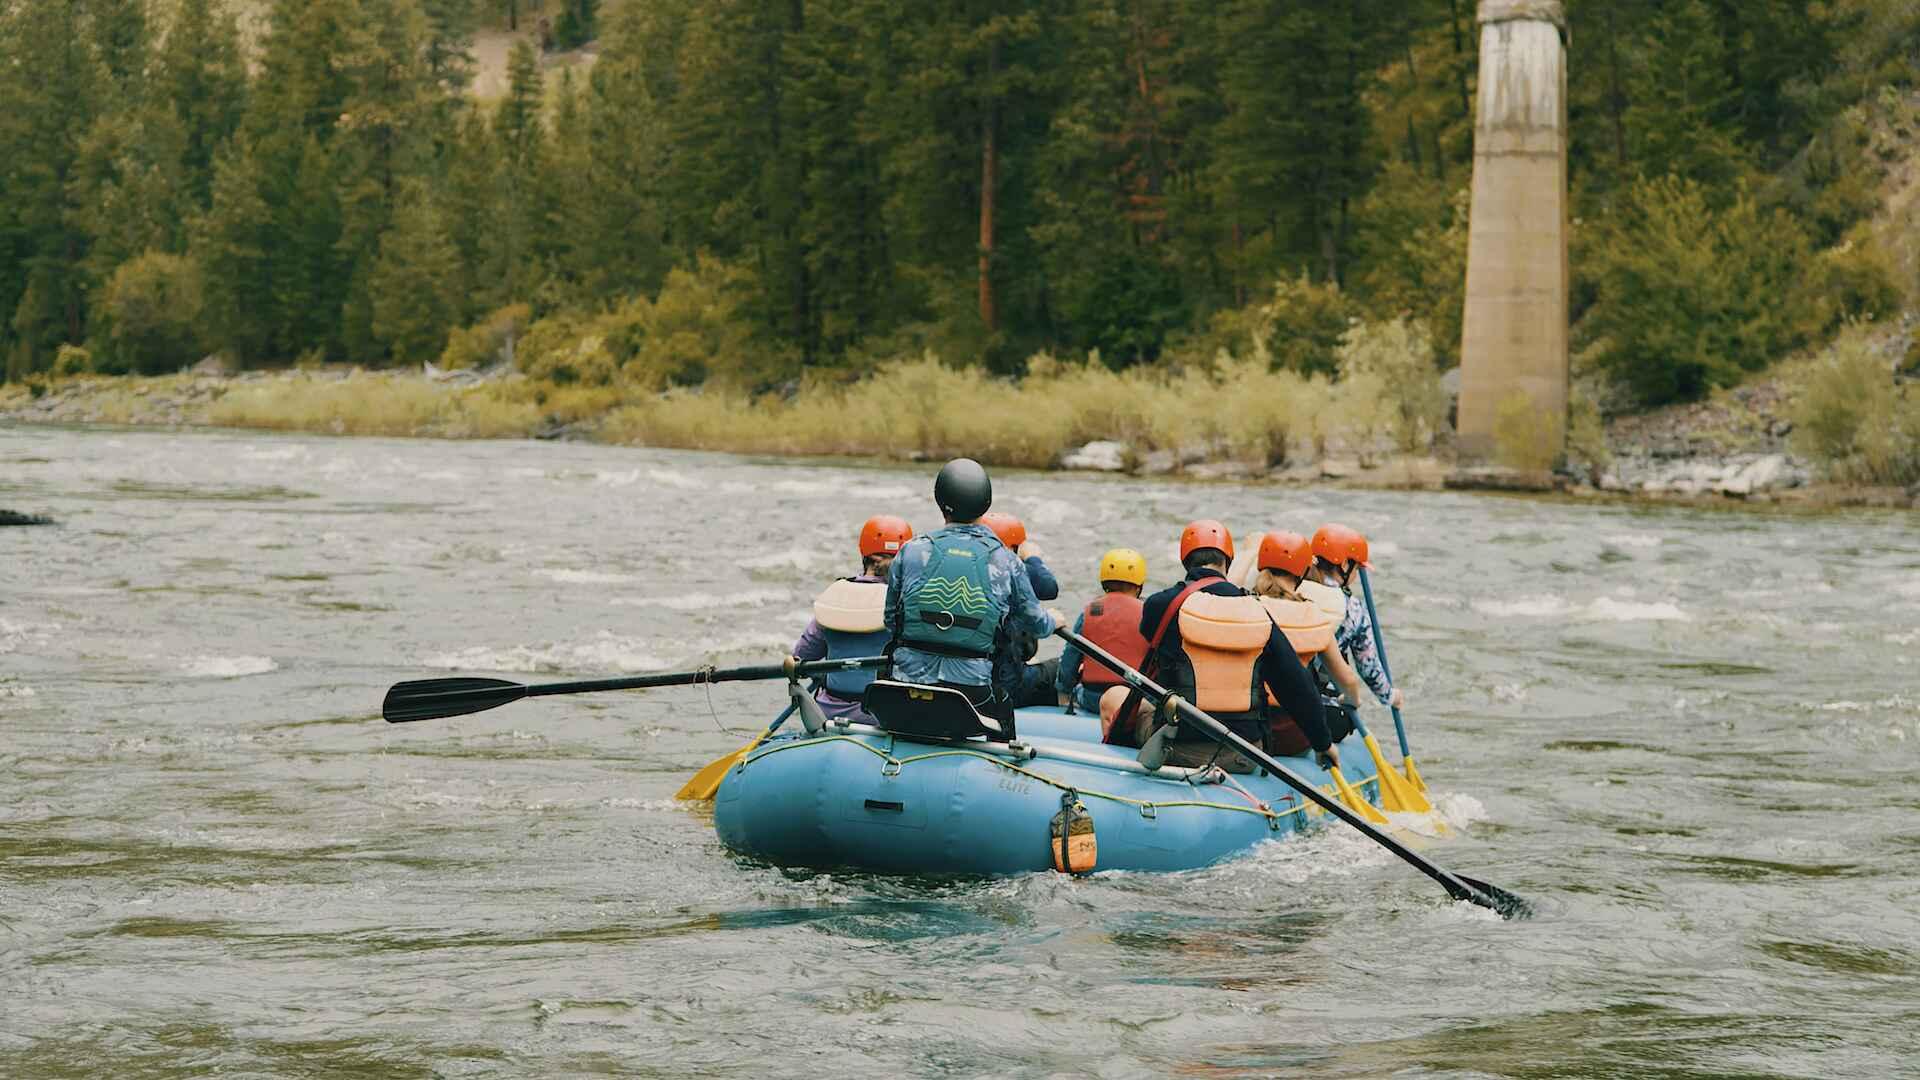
x,y
1223,637
1327,599
853,607
1307,628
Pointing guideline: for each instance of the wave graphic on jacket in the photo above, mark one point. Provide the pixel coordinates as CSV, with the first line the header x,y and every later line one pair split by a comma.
x,y
1006,577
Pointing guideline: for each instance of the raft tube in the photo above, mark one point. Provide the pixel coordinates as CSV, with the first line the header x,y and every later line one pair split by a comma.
x,y
855,797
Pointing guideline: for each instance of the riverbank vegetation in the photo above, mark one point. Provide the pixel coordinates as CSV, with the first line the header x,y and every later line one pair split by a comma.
x,y
871,227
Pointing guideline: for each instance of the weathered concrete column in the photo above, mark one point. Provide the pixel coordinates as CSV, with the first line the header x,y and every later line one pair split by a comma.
x,y
1514,341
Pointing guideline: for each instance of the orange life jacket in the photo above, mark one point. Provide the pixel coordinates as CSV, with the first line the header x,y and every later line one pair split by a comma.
x,y
1223,637
1310,631
1307,628
1113,623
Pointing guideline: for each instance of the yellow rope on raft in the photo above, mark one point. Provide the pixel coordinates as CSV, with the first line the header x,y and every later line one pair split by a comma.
x,y
1272,815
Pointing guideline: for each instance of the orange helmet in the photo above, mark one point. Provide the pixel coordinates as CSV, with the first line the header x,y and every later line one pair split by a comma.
x,y
1286,551
884,534
1205,533
1005,526
1337,544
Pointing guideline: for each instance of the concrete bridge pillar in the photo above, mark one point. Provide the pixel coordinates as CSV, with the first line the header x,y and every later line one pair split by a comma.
x,y
1514,341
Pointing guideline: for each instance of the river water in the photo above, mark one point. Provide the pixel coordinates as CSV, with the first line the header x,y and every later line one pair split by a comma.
x,y
1692,737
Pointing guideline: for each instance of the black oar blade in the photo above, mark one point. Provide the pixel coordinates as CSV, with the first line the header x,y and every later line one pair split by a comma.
x,y
1506,904
431,699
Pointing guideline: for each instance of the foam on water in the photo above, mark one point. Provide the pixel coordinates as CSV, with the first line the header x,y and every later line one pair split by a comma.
x,y
788,559
584,577
1633,540
14,635
1526,607
700,601
1605,609
15,690
606,651
1909,638
1627,611
227,667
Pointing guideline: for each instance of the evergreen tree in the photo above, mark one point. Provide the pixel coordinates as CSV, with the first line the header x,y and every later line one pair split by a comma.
x,y
613,222
121,41
449,42
51,88
415,282
235,246
520,140
1293,151
578,23
1681,99
201,79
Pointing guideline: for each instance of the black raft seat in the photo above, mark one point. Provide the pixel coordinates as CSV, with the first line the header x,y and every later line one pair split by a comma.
x,y
926,713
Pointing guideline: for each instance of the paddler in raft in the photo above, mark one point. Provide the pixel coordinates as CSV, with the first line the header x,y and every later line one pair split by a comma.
x,y
1337,552
1214,645
1282,565
1014,676
849,619
952,593
1111,621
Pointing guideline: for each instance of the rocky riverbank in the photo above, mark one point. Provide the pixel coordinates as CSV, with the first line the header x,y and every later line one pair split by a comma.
x,y
1733,449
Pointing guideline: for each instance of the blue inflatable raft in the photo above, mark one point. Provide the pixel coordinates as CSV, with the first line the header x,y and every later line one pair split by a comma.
x,y
854,796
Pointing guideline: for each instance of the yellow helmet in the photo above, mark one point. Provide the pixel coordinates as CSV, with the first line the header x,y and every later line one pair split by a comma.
x,y
1124,564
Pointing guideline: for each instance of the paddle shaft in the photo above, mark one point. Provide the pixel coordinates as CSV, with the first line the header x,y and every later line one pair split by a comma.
x,y
705,675
427,699
1380,643
1224,735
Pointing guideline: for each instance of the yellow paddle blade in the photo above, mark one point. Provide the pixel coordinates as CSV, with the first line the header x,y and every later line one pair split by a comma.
x,y
707,780
1396,793
1357,802
1413,774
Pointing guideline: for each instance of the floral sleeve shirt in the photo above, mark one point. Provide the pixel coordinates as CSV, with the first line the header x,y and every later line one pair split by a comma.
x,y
1356,640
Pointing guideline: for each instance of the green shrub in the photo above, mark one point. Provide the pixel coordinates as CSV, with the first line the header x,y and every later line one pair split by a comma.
x,y
697,330
488,341
1587,432
1298,329
1690,297
72,360
1854,419
147,319
1388,368
1857,280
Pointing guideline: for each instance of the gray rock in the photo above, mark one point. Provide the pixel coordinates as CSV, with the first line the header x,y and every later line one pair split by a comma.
x,y
1338,468
1097,457
1221,470
1762,474
1158,463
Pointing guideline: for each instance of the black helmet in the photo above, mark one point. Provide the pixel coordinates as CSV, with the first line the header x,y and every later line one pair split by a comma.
x,y
962,490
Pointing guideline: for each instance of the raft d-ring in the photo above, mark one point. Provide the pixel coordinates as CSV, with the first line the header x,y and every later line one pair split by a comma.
x,y
1273,819
1147,810
890,767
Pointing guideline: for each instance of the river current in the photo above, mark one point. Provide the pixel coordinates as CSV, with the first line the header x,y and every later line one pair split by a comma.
x,y
1692,737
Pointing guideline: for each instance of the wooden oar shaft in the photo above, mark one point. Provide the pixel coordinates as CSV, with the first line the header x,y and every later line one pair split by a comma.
x,y
1224,735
